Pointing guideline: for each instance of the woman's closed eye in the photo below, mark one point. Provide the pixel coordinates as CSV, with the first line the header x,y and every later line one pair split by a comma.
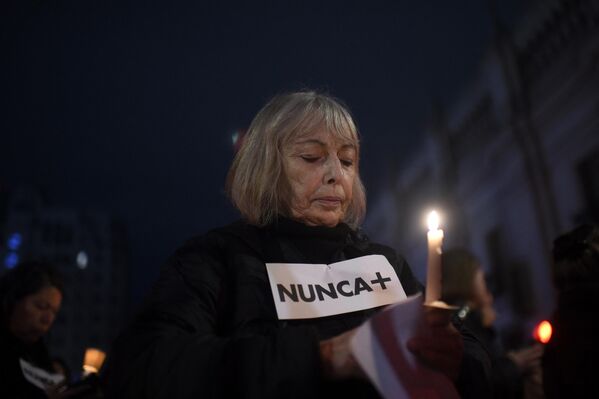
x,y
310,158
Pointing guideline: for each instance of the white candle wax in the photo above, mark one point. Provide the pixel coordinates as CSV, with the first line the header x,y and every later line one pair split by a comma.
x,y
433,270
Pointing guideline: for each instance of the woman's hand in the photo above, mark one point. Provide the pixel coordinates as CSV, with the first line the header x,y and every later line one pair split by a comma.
x,y
62,391
337,359
438,344
527,359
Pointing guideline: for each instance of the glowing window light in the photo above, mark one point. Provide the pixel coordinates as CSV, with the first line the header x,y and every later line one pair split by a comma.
x,y
11,260
542,332
14,241
82,260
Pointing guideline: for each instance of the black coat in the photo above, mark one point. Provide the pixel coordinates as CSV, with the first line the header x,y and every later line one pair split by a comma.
x,y
209,328
12,383
507,381
571,356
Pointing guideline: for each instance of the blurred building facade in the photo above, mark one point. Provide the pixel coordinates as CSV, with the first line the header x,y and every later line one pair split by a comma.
x,y
513,162
90,249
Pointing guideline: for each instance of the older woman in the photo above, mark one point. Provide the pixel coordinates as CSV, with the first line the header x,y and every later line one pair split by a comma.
x,y
212,326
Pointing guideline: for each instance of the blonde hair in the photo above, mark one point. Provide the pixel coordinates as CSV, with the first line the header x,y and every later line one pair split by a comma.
x,y
257,184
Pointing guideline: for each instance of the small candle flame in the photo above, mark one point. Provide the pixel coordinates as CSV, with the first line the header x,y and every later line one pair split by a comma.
x,y
433,221
543,332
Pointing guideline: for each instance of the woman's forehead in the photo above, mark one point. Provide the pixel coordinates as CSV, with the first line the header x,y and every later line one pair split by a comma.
x,y
49,294
326,137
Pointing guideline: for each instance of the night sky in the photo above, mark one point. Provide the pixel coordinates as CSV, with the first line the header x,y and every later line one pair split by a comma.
x,y
129,108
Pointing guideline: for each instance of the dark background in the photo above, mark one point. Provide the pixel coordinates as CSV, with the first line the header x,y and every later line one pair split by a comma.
x,y
129,107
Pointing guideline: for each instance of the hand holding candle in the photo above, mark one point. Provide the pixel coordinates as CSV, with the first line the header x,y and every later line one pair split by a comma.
x,y
433,271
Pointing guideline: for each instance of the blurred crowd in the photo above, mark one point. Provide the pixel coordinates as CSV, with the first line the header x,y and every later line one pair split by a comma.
x,y
557,368
31,296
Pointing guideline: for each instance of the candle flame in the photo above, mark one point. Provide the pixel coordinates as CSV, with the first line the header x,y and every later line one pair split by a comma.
x,y
543,332
433,221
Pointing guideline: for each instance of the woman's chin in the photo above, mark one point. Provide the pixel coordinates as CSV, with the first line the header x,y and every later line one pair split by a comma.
x,y
325,219
30,338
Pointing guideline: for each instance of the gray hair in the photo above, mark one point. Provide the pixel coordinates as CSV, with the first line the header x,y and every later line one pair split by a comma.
x,y
257,184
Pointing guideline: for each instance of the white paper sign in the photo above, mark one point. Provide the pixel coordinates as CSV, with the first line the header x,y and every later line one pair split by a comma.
x,y
39,377
306,291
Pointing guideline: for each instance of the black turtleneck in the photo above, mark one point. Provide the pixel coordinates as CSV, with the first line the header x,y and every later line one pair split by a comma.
x,y
311,244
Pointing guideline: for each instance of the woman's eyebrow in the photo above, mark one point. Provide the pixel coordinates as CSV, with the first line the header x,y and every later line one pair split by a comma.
x,y
311,141
348,146
323,144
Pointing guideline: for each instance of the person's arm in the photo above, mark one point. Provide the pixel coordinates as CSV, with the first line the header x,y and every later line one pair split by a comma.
x,y
175,349
472,372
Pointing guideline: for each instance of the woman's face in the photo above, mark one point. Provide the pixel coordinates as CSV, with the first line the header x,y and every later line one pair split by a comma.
x,y
33,315
321,172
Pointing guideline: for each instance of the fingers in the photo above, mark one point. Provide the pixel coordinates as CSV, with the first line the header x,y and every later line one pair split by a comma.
x,y
447,364
442,339
527,358
337,359
440,348
437,317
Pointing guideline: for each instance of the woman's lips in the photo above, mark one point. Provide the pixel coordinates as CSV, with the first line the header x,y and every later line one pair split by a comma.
x,y
331,202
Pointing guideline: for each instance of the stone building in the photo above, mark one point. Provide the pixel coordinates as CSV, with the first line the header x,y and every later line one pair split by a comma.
x,y
512,162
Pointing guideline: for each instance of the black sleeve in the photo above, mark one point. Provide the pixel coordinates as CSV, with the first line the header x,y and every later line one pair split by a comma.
x,y
507,379
474,380
174,348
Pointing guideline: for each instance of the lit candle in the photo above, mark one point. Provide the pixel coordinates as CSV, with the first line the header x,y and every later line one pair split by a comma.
x,y
543,332
433,270
93,360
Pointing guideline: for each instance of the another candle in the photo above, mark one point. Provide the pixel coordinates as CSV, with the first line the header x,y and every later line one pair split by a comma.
x,y
93,360
433,270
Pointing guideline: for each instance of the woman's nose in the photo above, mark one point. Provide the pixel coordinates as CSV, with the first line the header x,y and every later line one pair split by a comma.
x,y
333,170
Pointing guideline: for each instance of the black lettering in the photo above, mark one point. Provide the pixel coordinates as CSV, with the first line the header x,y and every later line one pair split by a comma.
x,y
331,293
361,286
302,295
380,280
344,293
282,291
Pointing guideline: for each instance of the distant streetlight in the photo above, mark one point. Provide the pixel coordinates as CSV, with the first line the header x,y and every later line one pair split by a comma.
x,y
14,241
11,260
82,260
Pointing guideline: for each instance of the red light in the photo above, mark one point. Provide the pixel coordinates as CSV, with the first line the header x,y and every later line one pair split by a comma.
x,y
542,332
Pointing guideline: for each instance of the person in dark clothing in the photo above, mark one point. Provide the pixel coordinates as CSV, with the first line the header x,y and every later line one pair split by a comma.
x,y
464,286
30,297
211,328
570,358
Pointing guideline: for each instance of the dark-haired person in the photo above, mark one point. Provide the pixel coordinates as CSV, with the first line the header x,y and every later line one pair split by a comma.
x,y
220,321
30,296
571,356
